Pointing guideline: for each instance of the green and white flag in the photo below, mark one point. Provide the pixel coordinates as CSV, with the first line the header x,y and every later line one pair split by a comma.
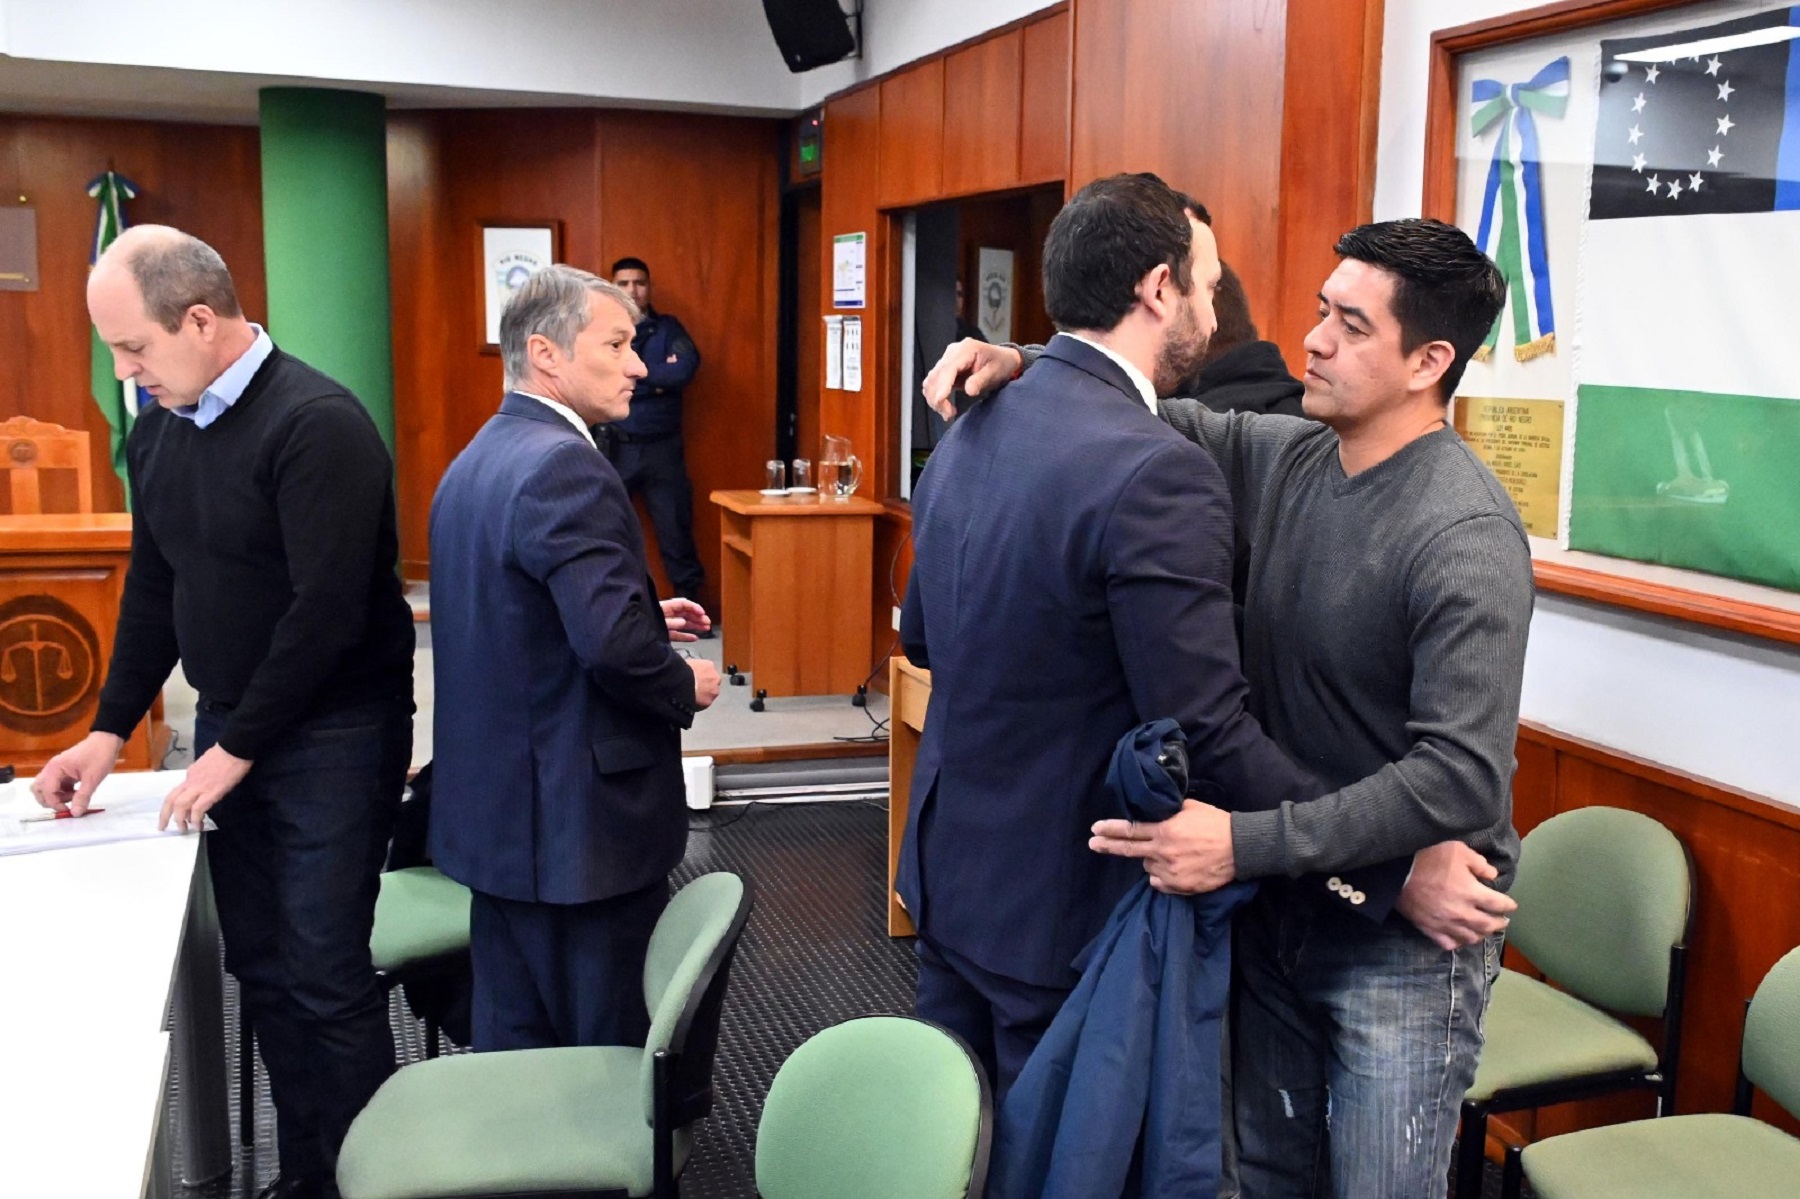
x,y
1688,417
118,401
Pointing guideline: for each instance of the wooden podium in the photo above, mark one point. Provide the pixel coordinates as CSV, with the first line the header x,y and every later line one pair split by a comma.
x,y
794,589
61,579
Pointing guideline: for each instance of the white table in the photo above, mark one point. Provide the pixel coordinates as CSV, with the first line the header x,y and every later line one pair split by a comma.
x,y
82,1116
105,937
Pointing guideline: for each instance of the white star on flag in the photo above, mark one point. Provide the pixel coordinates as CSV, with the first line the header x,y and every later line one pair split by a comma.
x,y
1637,133
1651,72
1654,186
1725,90
1637,163
1712,66
1725,124
1637,105
1713,155
1694,182
1675,190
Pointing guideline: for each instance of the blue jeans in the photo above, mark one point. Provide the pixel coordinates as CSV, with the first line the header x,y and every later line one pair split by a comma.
x,y
295,866
1352,1046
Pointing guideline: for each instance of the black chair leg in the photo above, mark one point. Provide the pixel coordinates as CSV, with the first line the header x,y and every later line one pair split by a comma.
x,y
1471,1152
431,1038
1512,1172
246,1080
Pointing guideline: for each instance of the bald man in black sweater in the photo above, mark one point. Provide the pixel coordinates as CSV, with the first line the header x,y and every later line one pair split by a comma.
x,y
262,557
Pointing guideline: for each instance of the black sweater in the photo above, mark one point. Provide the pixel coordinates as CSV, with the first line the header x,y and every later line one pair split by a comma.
x,y
263,550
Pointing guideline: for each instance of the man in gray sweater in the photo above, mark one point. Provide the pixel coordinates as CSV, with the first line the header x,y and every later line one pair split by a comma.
x,y
1386,614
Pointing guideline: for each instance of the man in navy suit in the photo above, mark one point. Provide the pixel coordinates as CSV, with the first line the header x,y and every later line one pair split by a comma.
x,y
1072,579
558,794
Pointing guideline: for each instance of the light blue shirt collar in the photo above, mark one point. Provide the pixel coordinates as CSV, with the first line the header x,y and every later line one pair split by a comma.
x,y
228,388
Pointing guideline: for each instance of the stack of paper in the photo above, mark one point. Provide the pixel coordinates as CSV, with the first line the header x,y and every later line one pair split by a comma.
x,y
132,801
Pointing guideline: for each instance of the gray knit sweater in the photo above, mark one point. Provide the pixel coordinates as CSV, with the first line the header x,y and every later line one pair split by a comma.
x,y
1384,640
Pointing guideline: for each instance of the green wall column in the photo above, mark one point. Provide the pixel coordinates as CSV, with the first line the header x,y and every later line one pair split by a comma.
x,y
325,238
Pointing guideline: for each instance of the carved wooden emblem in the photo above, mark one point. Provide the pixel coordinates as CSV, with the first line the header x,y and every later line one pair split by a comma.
x,y
22,452
49,664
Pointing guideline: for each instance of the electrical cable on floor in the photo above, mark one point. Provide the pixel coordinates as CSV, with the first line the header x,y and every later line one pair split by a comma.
x,y
878,731
707,826
175,747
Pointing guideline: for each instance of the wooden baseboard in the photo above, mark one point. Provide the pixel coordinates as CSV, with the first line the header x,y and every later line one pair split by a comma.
x,y
818,750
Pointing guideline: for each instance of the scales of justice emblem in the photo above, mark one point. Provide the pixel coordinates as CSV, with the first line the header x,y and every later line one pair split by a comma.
x,y
49,661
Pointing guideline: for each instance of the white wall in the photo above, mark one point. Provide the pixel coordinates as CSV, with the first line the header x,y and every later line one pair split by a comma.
x,y
1716,705
897,32
716,54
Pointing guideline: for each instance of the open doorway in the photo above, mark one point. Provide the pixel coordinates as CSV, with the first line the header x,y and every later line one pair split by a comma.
x,y
970,267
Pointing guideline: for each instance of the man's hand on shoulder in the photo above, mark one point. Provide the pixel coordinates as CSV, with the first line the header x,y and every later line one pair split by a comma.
x,y
973,366
1448,898
1187,854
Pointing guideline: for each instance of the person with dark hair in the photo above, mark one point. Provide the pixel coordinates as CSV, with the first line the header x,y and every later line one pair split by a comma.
x,y
1388,605
1241,372
263,544
1070,582
646,447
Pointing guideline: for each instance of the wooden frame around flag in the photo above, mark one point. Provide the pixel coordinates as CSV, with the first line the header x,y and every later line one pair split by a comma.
x,y
1682,594
506,253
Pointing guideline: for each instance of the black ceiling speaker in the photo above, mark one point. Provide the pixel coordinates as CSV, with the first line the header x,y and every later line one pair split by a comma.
x,y
810,33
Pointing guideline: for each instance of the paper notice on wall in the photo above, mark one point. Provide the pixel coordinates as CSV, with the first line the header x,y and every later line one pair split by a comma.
x,y
853,353
849,270
834,352
994,294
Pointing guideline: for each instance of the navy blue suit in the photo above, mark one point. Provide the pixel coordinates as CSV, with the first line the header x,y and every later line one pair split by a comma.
x,y
1071,580
557,795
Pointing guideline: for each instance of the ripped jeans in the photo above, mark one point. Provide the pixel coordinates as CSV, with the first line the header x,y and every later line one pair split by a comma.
x,y
1352,1046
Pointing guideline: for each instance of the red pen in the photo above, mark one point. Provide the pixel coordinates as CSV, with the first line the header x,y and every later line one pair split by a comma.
x,y
65,814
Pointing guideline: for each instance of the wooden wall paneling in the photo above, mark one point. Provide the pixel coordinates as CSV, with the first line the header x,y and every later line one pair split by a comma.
x,y
1044,100
848,205
696,198
912,135
202,178
982,116
1331,91
424,340
1183,89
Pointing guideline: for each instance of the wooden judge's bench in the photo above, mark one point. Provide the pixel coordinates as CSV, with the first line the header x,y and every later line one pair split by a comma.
x,y
62,575
61,579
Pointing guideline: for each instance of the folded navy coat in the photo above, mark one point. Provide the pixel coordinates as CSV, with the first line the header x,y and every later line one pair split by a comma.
x,y
1122,1096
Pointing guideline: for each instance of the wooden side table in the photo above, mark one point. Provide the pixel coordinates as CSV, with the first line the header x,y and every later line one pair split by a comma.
x,y
909,693
794,590
61,578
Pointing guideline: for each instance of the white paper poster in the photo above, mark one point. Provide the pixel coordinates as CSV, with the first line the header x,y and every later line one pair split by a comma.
x,y
853,353
994,296
511,255
834,352
849,270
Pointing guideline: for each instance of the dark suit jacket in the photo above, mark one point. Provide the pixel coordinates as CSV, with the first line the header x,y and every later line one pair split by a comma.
x,y
559,700
1071,580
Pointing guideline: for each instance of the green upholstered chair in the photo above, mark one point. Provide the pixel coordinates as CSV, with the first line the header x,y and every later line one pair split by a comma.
x,y
420,936
592,1121
1605,905
883,1106
1691,1157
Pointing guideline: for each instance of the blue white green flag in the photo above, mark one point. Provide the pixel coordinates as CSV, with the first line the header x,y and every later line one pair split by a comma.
x,y
118,401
